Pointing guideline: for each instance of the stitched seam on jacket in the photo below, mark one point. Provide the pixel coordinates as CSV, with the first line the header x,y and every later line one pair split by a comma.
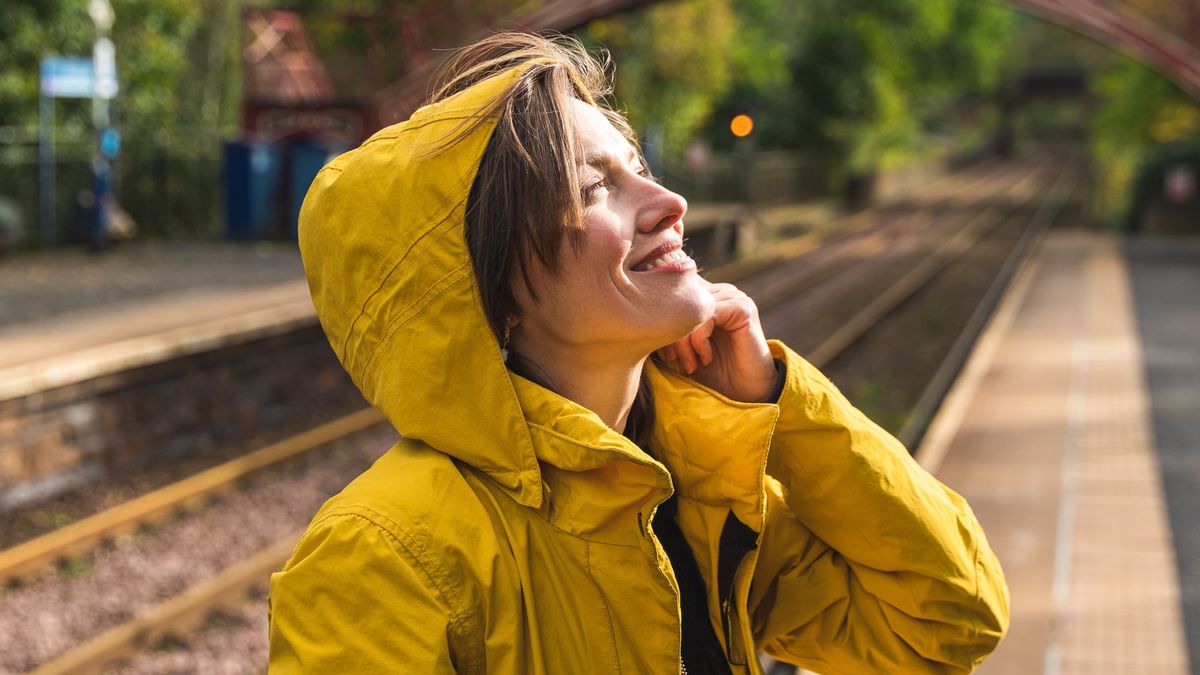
x,y
976,628
439,221
716,432
709,472
413,127
384,281
422,561
750,445
599,448
589,540
567,533
612,634
432,293
716,472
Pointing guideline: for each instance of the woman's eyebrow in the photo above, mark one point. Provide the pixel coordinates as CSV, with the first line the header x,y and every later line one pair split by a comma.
x,y
602,160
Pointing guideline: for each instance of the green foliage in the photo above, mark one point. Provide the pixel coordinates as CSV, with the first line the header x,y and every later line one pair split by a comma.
x,y
177,62
1142,111
29,31
870,74
860,80
672,63
178,65
760,51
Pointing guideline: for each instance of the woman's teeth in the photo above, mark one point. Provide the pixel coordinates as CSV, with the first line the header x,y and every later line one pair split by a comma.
x,y
665,259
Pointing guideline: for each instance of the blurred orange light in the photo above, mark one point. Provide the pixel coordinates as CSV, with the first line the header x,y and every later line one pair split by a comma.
x,y
741,126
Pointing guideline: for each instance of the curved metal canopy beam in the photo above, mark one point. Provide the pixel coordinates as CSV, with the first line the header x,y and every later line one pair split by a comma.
x,y
1120,28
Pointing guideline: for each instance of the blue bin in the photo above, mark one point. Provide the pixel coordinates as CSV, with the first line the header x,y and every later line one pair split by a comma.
x,y
252,181
305,159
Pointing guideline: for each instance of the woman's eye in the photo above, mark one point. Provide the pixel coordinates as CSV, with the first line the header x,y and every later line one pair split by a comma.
x,y
590,191
644,172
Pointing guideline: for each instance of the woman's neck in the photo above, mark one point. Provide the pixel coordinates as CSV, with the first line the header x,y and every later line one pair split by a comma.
x,y
602,383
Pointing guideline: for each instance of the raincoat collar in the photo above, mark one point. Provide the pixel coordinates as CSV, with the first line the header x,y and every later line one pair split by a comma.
x,y
705,446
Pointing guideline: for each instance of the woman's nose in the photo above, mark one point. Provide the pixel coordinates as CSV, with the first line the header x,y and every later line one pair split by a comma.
x,y
663,209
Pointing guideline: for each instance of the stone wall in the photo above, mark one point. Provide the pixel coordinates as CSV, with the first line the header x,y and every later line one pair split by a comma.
x,y
56,440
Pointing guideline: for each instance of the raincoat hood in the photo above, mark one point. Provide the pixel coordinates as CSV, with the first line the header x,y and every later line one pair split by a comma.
x,y
382,239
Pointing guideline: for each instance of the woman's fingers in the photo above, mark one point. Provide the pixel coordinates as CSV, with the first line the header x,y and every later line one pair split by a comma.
x,y
687,355
701,342
734,311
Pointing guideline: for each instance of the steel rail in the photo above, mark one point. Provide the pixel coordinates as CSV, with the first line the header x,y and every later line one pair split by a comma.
x,y
31,556
27,558
176,616
917,278
934,405
781,292
845,226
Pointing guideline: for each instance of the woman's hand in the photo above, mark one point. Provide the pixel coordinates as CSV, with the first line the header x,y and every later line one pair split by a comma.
x,y
728,352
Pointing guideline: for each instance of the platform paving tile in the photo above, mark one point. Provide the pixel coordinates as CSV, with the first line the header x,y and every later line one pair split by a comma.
x,y
1056,454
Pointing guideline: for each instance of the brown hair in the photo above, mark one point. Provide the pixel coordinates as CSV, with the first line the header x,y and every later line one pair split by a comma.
x,y
526,195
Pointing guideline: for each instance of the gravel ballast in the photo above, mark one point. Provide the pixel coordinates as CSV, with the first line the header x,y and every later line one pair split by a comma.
x,y
92,594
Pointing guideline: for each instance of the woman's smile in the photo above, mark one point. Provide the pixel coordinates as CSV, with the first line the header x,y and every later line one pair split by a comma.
x,y
669,257
676,261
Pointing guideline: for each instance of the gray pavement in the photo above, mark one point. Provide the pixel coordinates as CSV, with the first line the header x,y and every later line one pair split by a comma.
x,y
1054,451
1166,285
38,286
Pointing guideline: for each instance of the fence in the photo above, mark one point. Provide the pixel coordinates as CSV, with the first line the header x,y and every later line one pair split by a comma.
x,y
762,178
170,184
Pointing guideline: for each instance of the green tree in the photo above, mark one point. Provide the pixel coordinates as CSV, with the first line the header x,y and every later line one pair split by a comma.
x,y
1142,110
177,61
671,64
29,31
864,78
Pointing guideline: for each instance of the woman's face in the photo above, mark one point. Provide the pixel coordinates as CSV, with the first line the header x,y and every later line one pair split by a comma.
x,y
630,284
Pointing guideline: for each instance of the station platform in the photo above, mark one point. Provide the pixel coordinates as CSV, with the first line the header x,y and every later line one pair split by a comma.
x,y
155,350
68,316
1049,435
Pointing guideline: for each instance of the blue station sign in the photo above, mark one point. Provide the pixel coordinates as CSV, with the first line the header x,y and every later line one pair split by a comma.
x,y
67,77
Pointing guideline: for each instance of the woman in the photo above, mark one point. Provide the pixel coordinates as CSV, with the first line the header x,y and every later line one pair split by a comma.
x,y
496,274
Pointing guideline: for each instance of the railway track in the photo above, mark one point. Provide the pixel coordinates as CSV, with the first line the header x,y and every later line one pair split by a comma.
x,y
837,238
929,450
182,613
33,556
806,299
947,245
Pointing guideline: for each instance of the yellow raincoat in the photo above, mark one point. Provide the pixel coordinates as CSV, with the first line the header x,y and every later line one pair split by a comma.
x,y
511,531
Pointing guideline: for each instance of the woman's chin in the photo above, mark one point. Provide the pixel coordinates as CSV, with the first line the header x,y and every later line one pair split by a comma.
x,y
689,312
705,305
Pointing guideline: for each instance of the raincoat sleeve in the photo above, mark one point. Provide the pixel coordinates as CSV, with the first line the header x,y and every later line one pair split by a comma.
x,y
867,563
354,599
